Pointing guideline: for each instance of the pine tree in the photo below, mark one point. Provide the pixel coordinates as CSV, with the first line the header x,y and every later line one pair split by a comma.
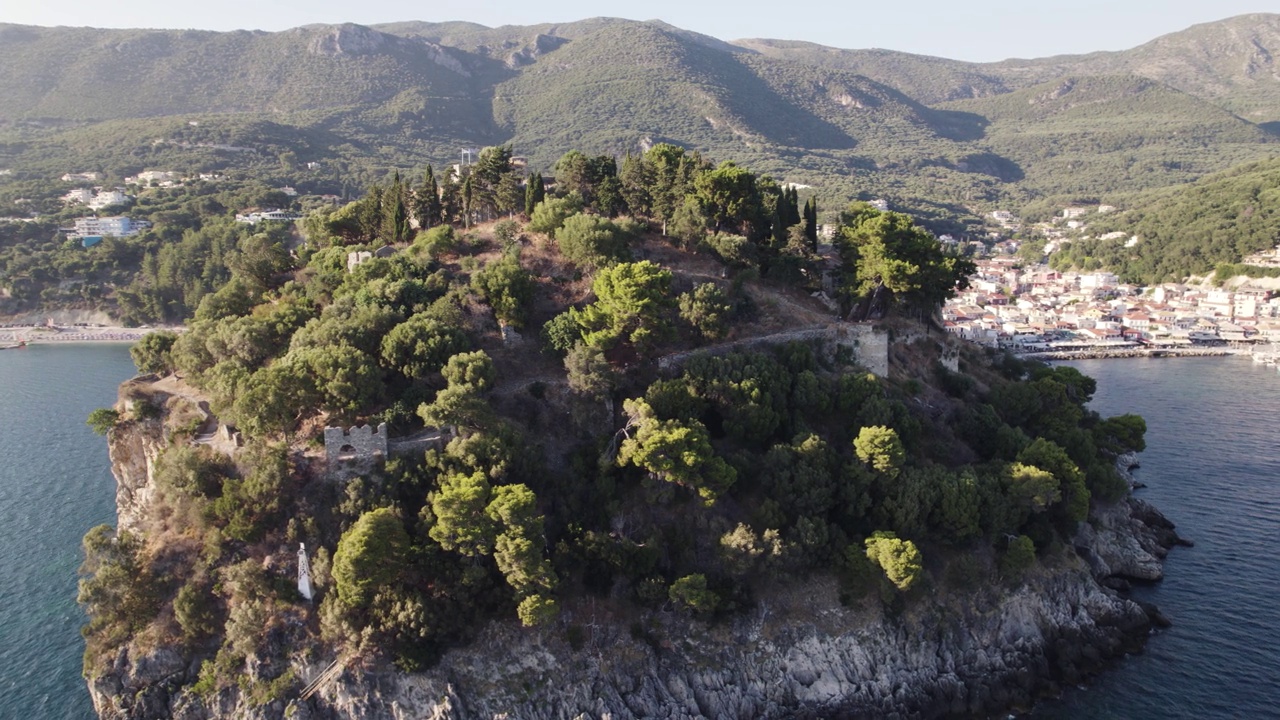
x,y
637,180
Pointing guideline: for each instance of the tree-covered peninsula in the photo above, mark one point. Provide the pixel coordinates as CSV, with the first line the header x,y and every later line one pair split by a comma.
x,y
632,422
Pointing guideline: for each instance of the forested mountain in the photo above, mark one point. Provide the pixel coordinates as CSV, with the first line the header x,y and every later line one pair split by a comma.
x,y
1189,229
1231,63
924,132
1106,133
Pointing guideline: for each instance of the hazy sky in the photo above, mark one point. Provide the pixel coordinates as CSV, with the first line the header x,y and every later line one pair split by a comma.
x,y
974,30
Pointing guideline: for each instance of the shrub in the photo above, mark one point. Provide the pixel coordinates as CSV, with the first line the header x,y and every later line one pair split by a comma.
x,y
900,559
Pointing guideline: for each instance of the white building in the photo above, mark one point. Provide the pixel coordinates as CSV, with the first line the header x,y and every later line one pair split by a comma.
x,y
254,218
107,198
1074,212
1098,281
146,177
117,226
84,196
357,258
82,177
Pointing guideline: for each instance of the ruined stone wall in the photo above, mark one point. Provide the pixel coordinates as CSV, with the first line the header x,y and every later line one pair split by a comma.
x,y
361,442
866,345
428,439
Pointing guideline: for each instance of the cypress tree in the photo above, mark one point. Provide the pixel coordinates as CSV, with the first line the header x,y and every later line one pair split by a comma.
x,y
468,194
534,192
371,214
426,206
395,217
779,230
811,222
450,198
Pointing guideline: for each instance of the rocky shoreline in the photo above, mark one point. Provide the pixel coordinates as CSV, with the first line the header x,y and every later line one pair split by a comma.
x,y
799,654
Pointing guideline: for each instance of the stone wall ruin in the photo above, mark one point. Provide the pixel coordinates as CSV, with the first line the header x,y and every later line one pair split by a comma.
x,y
360,443
865,345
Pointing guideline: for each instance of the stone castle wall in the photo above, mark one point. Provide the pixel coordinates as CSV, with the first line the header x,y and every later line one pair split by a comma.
x,y
361,442
867,346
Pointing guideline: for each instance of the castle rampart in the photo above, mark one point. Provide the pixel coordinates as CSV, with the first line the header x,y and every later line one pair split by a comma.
x,y
361,442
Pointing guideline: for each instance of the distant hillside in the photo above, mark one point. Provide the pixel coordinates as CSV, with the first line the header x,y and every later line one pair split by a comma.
x,y
928,79
924,132
1230,63
1191,229
82,74
1082,134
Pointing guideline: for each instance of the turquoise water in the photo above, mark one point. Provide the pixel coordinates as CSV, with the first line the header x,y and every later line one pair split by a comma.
x,y
1213,467
55,483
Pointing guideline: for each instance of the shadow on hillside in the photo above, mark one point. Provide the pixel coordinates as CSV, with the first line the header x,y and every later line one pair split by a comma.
x,y
1271,127
996,166
959,125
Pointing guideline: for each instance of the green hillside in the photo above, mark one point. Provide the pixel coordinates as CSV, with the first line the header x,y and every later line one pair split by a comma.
x,y
928,79
1090,135
82,73
930,134
1230,63
1188,230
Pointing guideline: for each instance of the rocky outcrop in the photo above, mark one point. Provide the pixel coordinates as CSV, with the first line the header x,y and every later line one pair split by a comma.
x,y
141,687
353,40
804,656
134,447
799,654
1128,540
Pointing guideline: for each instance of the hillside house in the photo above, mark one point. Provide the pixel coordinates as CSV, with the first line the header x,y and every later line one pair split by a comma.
x,y
117,226
109,197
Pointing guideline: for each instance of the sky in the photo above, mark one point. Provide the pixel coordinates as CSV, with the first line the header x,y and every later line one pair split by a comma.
x,y
977,30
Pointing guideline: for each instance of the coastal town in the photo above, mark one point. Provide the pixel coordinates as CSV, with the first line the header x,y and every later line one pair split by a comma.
x,y
1029,307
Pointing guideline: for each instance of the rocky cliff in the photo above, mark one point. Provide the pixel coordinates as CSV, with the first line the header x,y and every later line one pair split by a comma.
x,y
944,657
800,653
134,448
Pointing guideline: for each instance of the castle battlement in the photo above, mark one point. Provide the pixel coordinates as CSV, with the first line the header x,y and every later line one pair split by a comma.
x,y
360,442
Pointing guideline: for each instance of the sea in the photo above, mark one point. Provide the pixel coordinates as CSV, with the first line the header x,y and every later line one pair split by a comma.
x,y
1212,466
55,484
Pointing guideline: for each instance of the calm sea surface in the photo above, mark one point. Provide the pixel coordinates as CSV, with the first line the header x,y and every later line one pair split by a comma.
x,y
1213,467
55,483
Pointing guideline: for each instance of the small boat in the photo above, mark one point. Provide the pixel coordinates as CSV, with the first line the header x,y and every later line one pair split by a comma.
x,y
16,346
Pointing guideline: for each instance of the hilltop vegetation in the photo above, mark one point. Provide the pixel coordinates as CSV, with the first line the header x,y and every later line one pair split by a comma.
x,y
719,478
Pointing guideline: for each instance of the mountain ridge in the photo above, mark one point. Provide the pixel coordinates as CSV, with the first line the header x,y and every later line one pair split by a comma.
x,y
914,128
